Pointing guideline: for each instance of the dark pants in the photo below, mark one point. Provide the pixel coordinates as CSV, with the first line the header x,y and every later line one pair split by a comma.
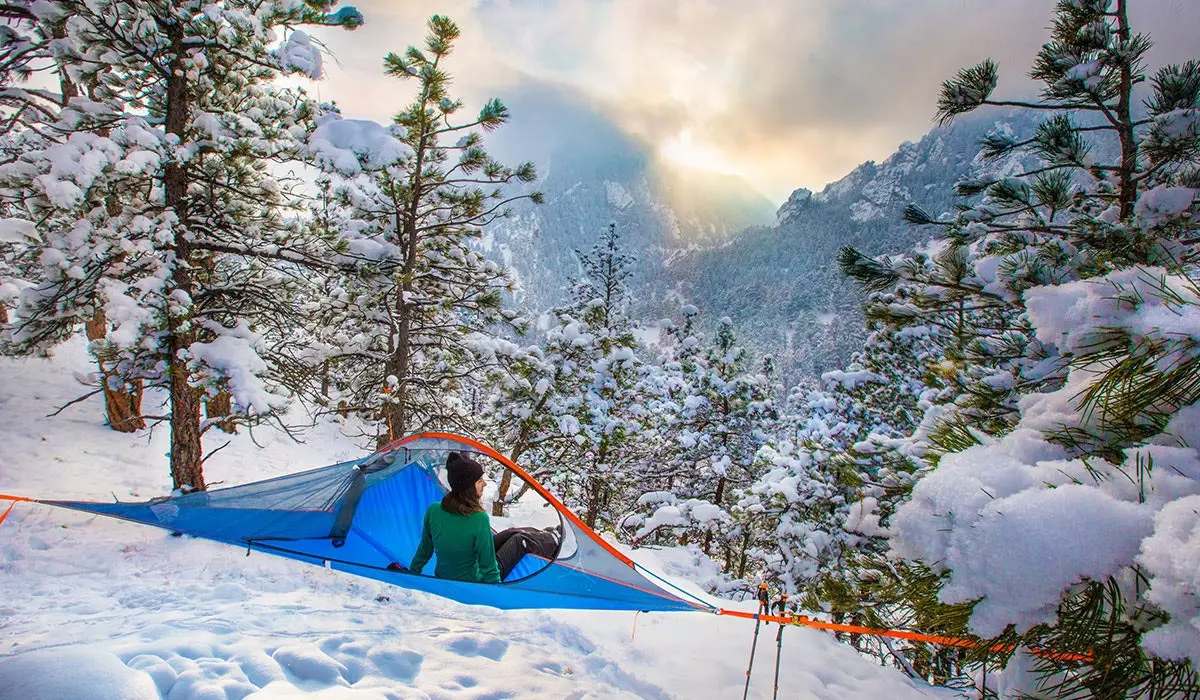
x,y
516,542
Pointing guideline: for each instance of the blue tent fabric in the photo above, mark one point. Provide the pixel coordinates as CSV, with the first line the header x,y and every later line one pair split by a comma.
x,y
360,516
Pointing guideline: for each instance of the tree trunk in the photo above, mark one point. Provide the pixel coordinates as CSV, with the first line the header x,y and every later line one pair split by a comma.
x,y
745,546
396,413
1129,146
501,493
221,406
187,471
593,503
707,546
506,479
596,487
123,406
3,313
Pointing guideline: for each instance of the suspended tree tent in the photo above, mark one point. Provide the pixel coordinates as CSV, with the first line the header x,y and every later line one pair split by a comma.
x,y
360,516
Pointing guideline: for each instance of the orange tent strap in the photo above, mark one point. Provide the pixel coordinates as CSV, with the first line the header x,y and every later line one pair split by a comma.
x,y
899,634
15,500
7,511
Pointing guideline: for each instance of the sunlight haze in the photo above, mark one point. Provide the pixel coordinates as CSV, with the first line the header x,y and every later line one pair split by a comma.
x,y
784,93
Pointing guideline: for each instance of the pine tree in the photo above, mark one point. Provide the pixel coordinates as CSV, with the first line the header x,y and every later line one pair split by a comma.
x,y
18,251
579,414
671,507
530,412
1035,284
155,198
840,463
720,411
417,312
27,48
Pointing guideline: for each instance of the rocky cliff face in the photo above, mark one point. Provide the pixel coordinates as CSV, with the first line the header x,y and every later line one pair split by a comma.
x,y
780,283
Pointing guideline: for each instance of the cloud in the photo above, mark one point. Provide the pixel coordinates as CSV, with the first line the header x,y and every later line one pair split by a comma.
x,y
787,93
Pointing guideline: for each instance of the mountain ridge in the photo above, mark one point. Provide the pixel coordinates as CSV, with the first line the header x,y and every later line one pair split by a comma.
x,y
710,240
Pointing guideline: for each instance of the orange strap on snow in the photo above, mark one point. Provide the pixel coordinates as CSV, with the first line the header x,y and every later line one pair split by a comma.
x,y
15,500
899,634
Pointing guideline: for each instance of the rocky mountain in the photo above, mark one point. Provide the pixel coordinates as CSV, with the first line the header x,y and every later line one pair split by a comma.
x,y
710,240
780,283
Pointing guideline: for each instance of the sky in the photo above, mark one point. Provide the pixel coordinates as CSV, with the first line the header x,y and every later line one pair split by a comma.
x,y
784,93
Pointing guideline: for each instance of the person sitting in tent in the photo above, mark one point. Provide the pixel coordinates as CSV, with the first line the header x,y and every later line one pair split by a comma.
x,y
459,531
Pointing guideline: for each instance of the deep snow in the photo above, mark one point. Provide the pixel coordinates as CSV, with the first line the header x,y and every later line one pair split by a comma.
x,y
93,608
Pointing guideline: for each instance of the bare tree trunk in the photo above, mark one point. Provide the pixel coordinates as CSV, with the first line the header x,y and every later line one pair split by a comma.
x,y
221,406
1129,146
187,471
506,479
502,493
3,313
122,406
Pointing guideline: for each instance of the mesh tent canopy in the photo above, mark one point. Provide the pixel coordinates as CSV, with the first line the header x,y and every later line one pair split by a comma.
x,y
360,516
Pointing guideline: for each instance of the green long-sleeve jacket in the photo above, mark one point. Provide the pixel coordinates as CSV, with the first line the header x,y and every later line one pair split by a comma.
x,y
463,544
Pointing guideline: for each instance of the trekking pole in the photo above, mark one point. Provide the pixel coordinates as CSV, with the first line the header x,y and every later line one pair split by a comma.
x,y
782,605
763,608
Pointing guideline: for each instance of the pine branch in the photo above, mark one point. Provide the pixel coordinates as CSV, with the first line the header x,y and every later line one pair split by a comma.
x,y
869,273
966,91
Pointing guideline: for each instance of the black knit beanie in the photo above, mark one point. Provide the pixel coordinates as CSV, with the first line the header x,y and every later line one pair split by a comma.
x,y
462,472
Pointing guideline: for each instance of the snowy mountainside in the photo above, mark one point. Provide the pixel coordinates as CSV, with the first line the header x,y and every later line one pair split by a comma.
x,y
93,608
709,239
592,174
781,284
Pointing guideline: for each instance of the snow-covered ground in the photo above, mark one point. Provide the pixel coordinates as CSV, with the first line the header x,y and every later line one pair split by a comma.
x,y
94,608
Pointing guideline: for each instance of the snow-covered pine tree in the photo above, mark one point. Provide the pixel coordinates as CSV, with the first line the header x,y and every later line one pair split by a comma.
x,y
534,409
416,316
591,420
721,410
154,198
27,47
530,412
1063,507
667,509
838,465
664,510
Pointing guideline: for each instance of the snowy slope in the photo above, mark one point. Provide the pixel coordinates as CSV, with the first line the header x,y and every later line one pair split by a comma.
x,y
95,608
